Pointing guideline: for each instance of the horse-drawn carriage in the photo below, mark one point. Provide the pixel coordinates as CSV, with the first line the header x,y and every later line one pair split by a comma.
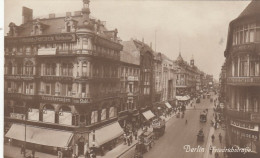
x,y
158,127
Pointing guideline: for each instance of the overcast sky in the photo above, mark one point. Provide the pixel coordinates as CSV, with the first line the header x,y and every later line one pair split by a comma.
x,y
197,28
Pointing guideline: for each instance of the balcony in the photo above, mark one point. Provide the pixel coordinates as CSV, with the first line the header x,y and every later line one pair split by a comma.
x,y
240,115
244,81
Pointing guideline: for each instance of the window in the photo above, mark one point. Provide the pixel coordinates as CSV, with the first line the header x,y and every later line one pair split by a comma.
x,y
243,66
50,69
29,68
19,69
48,89
9,68
69,93
94,117
68,27
83,90
103,114
84,69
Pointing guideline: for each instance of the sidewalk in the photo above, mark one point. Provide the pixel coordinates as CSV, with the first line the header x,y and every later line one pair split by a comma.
x,y
216,144
14,152
122,148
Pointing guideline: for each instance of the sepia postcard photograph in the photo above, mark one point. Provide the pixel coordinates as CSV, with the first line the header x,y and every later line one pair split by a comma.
x,y
130,78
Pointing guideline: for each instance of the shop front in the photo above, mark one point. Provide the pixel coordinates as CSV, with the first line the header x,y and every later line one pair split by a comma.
x,y
245,135
106,137
43,139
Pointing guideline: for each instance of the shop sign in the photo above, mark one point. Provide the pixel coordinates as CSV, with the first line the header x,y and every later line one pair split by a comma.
x,y
255,117
130,78
244,134
13,77
17,116
243,80
56,99
81,101
243,125
43,38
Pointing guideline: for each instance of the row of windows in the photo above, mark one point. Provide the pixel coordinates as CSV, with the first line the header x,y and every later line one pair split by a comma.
x,y
246,33
241,67
128,71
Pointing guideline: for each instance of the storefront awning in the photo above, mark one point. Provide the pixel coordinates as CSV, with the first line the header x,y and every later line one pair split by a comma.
x,y
148,114
183,98
105,134
39,135
168,105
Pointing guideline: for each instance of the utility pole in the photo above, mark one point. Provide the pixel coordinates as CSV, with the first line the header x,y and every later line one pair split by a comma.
x,y
155,40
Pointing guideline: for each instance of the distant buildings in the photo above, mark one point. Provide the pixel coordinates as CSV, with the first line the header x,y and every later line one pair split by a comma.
x,y
242,69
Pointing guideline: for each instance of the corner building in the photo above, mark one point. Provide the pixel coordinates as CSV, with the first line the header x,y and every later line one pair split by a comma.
x,y
243,80
62,83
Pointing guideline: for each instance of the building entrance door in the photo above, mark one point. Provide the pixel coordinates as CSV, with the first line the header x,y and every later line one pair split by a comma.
x,y
81,146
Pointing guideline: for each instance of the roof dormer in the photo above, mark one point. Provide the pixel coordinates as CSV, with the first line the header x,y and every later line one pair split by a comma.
x,y
38,27
70,24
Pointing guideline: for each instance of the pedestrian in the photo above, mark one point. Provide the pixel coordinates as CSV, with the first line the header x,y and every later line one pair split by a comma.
x,y
135,134
131,138
22,149
212,137
210,149
128,140
33,152
220,137
216,155
125,139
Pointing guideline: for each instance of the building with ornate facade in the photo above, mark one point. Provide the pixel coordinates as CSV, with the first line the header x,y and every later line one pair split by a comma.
x,y
243,80
130,83
62,82
187,81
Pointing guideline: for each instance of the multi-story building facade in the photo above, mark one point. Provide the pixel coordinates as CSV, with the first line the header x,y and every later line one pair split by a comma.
x,y
62,82
130,83
168,81
187,79
222,84
243,80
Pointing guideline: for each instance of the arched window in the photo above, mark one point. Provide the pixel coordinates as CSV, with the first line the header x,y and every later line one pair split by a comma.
x,y
28,68
48,113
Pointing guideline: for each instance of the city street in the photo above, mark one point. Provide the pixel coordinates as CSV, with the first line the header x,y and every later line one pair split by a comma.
x,y
178,134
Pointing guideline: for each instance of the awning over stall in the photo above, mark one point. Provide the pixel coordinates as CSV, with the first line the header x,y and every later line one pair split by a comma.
x,y
105,134
168,105
39,135
148,115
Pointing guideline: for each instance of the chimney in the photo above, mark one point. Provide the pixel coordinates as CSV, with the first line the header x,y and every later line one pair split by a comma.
x,y
68,14
143,40
51,16
151,45
27,14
